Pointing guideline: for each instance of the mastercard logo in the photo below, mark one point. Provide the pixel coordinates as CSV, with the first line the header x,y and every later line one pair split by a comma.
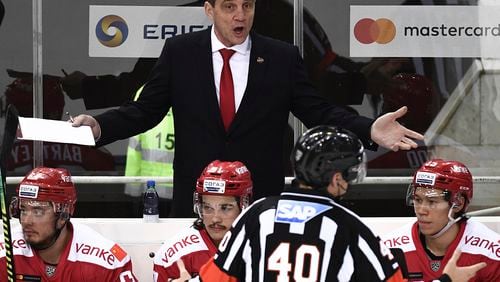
x,y
111,31
368,31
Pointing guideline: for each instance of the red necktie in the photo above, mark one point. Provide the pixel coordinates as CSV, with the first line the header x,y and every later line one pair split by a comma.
x,y
226,90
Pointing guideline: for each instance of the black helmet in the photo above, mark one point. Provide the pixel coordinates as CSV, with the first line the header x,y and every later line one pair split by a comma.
x,y
324,150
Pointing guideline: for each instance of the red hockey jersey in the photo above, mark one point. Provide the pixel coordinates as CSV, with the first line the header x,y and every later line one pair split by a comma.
x,y
88,257
193,246
477,242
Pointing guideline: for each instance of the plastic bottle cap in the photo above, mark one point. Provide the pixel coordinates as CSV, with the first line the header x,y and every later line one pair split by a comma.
x,y
150,183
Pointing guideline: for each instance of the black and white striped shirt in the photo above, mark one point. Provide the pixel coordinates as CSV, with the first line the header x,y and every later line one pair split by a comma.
x,y
303,235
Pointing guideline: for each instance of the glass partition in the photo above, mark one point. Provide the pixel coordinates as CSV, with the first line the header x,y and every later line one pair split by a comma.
x,y
451,99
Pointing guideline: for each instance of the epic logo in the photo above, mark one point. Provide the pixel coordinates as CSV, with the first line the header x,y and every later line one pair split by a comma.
x,y
105,27
154,31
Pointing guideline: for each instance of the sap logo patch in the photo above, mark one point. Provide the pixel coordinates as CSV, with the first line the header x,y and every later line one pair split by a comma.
x,y
298,212
28,191
425,178
214,186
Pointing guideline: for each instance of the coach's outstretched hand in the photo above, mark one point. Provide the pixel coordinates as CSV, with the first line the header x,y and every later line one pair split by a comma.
x,y
387,132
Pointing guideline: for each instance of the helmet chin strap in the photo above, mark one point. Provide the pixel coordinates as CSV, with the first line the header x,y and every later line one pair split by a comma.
x,y
450,223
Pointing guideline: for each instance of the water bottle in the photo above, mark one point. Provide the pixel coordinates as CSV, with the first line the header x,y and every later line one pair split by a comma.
x,y
150,212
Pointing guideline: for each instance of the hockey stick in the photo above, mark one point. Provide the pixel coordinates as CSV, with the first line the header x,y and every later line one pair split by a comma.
x,y
9,135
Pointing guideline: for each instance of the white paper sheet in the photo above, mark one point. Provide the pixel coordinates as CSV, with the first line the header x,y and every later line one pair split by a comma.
x,y
55,131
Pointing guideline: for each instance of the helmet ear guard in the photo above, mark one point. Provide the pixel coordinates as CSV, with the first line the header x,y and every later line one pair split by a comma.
x,y
14,207
196,203
355,174
245,201
458,202
63,210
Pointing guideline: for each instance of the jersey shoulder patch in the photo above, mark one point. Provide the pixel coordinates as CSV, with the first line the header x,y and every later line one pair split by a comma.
x,y
400,238
186,242
90,246
479,239
19,245
290,211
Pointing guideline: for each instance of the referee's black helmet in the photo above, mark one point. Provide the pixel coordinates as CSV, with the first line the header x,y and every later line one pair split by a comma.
x,y
324,150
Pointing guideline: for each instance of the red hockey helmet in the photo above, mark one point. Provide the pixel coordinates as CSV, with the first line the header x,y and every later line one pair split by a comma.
x,y
20,94
45,184
224,179
453,178
418,94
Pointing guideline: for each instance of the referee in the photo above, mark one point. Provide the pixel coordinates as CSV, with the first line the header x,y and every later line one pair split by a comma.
x,y
303,234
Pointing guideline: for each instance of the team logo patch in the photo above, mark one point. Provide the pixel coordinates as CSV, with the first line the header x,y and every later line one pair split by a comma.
x,y
425,178
50,270
435,265
28,191
297,212
214,186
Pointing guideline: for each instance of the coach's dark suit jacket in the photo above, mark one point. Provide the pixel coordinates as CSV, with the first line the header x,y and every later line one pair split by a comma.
x,y
183,79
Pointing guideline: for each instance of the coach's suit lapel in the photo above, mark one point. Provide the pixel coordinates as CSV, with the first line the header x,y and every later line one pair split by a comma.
x,y
256,74
205,71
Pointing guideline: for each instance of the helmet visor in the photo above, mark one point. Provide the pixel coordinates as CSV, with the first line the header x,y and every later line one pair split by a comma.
x,y
34,208
357,173
426,196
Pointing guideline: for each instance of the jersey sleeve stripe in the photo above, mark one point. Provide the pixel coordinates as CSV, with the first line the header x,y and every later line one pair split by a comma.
x,y
347,268
327,234
372,258
247,257
266,228
236,244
